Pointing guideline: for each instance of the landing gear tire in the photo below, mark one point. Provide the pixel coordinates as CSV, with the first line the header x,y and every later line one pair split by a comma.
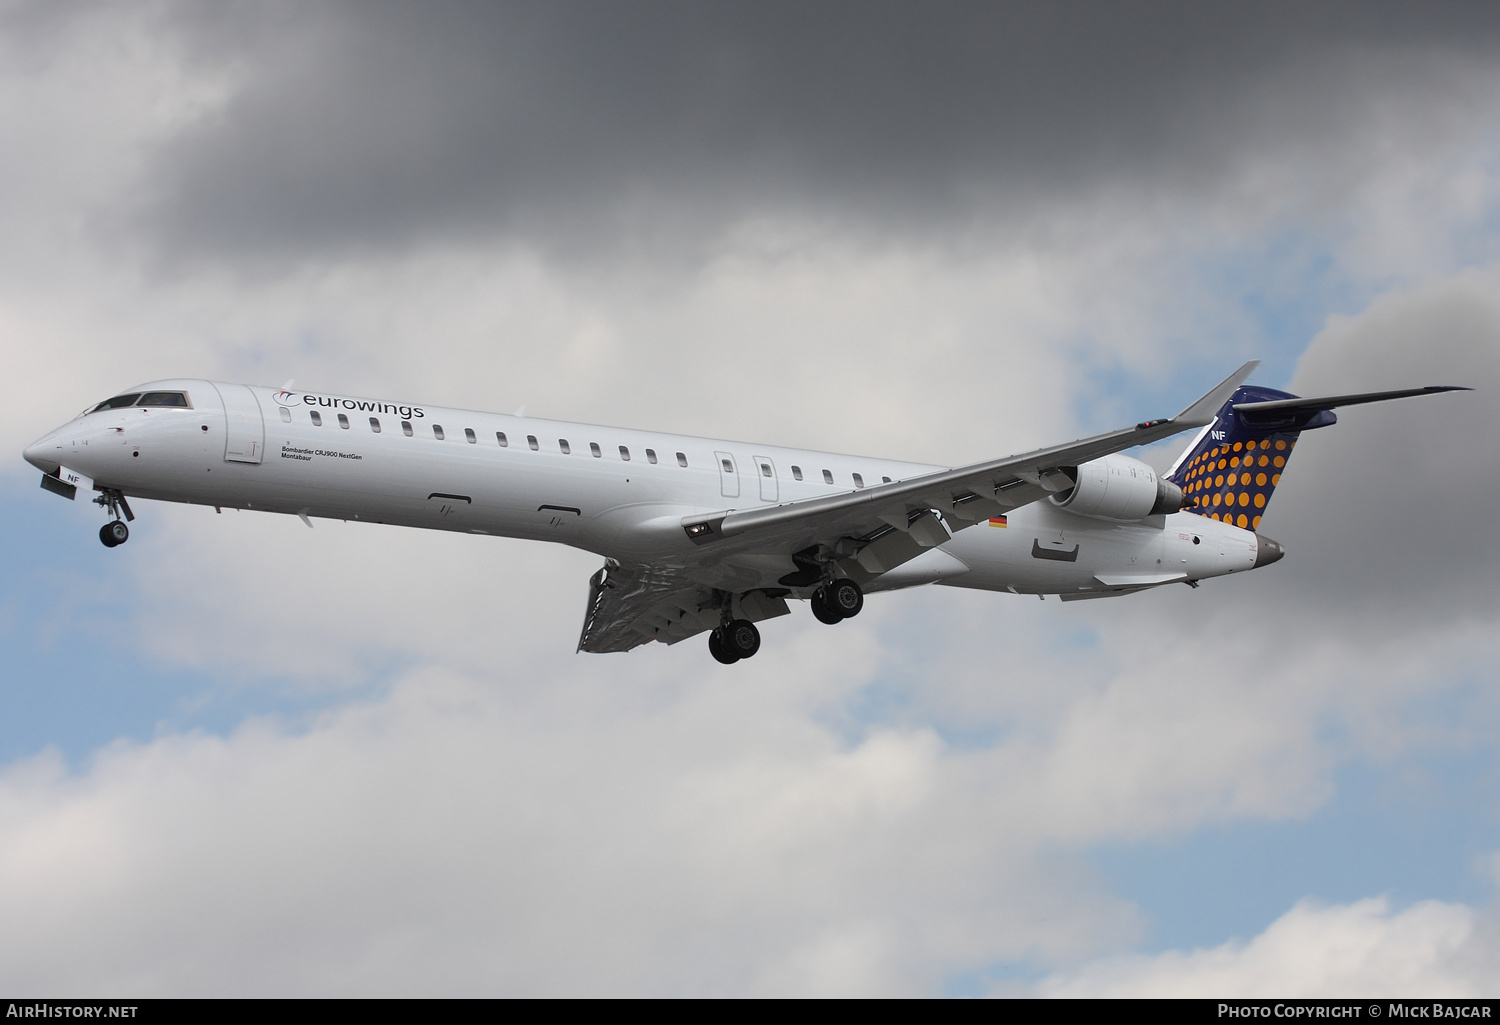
x,y
114,533
845,598
740,638
822,611
716,649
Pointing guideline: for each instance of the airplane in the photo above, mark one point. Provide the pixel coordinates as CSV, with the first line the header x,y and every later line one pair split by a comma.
x,y
707,536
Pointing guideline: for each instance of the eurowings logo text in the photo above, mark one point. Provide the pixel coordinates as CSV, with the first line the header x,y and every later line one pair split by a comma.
x,y
290,398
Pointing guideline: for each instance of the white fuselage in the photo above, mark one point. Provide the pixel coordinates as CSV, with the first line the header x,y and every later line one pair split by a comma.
x,y
619,493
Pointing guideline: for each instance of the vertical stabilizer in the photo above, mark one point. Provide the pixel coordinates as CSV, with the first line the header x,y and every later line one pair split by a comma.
x,y
1234,465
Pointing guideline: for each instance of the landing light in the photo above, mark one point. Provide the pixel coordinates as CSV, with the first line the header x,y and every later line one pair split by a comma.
x,y
698,529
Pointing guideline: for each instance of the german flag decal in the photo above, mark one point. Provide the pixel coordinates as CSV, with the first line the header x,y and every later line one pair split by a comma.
x,y
998,521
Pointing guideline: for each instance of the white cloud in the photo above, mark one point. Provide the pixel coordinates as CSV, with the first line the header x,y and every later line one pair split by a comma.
x,y
514,836
1360,950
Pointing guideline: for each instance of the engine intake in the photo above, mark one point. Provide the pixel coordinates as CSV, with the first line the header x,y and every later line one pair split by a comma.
x,y
1120,488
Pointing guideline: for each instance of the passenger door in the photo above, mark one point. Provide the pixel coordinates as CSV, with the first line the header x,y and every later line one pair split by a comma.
x,y
244,429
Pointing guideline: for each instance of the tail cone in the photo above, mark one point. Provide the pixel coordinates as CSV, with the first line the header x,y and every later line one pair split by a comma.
x,y
1266,551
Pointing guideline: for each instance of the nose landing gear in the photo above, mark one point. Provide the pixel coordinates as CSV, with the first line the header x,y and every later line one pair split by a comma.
x,y
114,532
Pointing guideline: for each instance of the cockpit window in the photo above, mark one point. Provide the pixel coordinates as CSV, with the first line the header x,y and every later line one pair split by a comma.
x,y
163,398
150,398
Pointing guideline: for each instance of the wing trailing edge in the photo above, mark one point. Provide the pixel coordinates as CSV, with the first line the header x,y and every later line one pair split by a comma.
x,y
967,493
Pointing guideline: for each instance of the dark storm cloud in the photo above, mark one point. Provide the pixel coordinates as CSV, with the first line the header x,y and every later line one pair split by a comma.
x,y
581,124
1391,505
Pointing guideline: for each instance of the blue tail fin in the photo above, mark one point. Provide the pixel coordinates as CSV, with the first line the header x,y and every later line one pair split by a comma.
x,y
1230,470
1233,466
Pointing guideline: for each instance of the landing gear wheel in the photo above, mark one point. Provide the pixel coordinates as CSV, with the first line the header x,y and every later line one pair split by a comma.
x,y
114,533
740,638
845,598
822,611
716,649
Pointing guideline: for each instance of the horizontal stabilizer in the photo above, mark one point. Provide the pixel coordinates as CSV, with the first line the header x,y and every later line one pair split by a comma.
x,y
1286,411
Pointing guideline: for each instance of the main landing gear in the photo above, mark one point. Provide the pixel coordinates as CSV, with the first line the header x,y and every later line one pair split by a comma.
x,y
834,602
733,641
115,532
837,601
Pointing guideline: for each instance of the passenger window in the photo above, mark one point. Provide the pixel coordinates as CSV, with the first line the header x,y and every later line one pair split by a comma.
x,y
531,440
594,450
859,481
728,466
681,459
118,402
163,398
406,428
562,443
469,436
343,421
286,415
317,418
651,456
796,473
500,437
765,469
827,477
437,431
625,453
374,425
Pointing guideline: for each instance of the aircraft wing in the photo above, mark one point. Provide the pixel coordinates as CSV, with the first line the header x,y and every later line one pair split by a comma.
x,y
870,531
630,605
962,496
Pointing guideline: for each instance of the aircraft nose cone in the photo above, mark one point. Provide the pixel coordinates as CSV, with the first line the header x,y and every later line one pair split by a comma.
x,y
1266,551
43,453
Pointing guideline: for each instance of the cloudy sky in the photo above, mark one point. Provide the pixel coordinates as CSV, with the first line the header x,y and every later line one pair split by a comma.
x,y
241,757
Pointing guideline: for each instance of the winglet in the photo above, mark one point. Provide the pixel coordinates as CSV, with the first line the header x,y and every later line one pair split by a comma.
x,y
1205,409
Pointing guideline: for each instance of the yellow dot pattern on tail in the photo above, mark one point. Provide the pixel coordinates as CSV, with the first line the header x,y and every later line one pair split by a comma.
x,y
1235,465
1233,482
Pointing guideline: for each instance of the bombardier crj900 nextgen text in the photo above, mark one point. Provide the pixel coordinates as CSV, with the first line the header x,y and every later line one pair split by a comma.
x,y
703,535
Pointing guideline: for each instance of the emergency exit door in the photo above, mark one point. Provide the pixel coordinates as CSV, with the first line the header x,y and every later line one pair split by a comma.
x,y
765,472
729,477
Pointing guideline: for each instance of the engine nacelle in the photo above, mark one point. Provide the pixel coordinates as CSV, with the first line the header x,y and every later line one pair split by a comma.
x,y
1119,488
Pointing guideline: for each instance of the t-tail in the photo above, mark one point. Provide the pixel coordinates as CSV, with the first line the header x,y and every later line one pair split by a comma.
x,y
1232,468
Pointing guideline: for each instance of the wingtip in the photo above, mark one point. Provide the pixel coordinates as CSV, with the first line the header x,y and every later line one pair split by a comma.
x,y
1206,408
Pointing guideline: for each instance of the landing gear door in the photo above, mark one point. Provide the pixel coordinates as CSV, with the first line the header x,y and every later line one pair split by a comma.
x,y
244,429
765,472
729,477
